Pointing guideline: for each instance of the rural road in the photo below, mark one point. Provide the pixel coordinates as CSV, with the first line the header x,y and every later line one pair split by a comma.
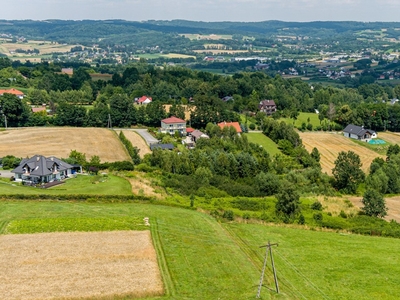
x,y
146,135
6,173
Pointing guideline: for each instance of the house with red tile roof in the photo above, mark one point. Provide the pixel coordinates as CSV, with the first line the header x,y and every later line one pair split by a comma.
x,y
235,125
173,124
13,91
144,100
39,109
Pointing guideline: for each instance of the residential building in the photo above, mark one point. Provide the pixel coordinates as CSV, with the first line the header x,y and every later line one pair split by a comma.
x,y
359,133
235,125
40,169
267,106
13,91
172,125
144,100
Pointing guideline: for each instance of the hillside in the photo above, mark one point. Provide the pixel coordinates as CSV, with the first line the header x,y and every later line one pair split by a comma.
x,y
201,258
330,144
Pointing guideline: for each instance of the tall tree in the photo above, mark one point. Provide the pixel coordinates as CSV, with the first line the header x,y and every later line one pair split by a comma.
x,y
347,172
374,204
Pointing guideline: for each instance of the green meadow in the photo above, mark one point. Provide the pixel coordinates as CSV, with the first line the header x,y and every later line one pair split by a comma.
x,y
202,258
261,139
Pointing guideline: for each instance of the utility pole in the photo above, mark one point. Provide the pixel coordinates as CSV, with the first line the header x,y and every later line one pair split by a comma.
x,y
109,125
268,249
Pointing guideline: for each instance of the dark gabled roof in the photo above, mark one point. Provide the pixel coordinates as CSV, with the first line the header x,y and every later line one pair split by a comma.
x,y
266,103
357,130
198,134
39,165
161,146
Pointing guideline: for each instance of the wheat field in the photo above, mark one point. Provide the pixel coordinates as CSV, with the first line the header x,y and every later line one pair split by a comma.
x,y
330,144
59,141
78,265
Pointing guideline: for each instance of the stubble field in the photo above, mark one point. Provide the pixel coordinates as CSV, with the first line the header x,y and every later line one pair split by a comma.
x,y
78,265
59,141
137,141
330,144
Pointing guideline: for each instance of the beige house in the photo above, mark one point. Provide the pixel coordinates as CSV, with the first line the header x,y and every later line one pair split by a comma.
x,y
173,124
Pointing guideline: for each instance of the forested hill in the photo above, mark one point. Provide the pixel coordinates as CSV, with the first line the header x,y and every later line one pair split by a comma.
x,y
93,30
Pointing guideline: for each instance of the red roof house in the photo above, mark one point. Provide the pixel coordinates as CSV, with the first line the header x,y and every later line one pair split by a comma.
x,y
235,125
12,91
173,124
144,100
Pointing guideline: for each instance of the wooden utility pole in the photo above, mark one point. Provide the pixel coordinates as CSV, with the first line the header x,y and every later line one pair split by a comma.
x,y
268,249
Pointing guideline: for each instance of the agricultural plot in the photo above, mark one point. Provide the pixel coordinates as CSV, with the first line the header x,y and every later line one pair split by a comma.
x,y
59,141
391,137
329,145
137,141
43,46
79,265
201,258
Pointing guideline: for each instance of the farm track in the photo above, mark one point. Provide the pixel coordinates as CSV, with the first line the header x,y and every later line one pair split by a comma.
x,y
330,144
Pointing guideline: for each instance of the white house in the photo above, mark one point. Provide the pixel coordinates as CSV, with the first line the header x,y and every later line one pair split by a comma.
x,y
173,124
359,133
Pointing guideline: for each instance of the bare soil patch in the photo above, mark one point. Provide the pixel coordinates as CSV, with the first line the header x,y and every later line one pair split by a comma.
x,y
137,141
392,203
330,144
59,141
78,265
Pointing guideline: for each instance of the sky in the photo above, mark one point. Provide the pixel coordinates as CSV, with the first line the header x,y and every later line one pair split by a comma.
x,y
203,10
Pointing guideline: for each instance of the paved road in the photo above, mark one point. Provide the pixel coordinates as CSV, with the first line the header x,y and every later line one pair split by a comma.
x,y
147,136
6,173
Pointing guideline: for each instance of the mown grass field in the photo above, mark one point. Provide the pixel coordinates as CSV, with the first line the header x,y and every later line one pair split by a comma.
x,y
201,258
263,140
82,184
59,141
303,118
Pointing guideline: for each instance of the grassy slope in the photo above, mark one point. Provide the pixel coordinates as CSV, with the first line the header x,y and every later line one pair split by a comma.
x,y
303,118
263,140
203,259
113,185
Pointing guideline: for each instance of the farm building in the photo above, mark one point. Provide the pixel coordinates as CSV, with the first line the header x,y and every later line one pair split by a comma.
x,y
172,125
40,169
359,133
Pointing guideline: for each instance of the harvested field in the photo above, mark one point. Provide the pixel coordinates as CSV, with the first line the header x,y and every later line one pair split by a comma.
x,y
330,144
59,141
42,46
391,137
137,141
392,203
187,108
78,265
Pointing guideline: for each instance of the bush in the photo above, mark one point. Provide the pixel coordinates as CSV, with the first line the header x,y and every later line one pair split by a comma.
x,y
302,220
228,214
318,217
10,162
316,205
252,126
342,214
121,166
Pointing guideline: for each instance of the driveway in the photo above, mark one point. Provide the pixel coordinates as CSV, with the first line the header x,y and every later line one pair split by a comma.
x,y
6,173
147,136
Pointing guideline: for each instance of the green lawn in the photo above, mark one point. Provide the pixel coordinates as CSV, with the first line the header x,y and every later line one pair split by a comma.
x,y
263,140
381,149
201,258
82,184
303,117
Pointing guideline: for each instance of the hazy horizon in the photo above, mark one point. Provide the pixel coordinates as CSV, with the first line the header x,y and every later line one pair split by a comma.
x,y
207,11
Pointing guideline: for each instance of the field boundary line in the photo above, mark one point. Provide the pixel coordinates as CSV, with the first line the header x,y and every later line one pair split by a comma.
x,y
3,225
162,263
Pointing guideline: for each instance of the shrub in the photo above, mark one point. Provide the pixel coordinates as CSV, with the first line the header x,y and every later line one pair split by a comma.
x,y
318,217
316,205
252,126
228,214
342,214
302,220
